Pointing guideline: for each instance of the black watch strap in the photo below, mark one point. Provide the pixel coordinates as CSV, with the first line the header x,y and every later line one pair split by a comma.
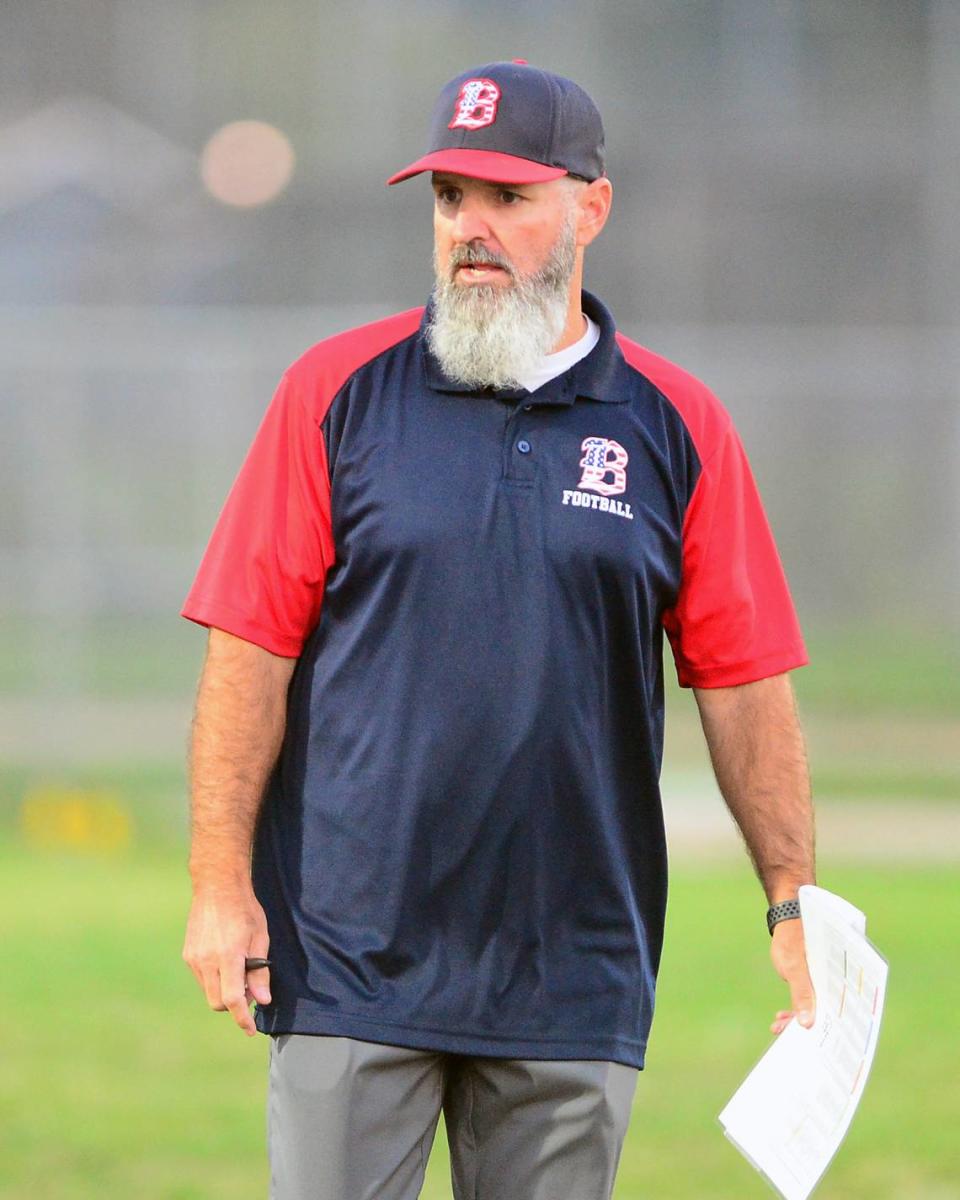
x,y
786,910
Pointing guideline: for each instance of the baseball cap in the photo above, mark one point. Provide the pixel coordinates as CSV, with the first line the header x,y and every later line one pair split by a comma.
x,y
512,123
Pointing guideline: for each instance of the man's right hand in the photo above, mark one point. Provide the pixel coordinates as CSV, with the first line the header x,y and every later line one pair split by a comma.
x,y
223,929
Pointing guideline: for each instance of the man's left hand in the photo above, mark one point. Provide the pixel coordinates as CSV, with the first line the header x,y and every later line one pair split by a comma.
x,y
790,961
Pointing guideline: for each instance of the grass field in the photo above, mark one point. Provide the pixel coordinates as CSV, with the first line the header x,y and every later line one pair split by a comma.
x,y
117,1081
881,712
877,666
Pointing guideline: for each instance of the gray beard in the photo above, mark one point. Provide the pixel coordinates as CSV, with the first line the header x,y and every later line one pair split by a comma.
x,y
487,336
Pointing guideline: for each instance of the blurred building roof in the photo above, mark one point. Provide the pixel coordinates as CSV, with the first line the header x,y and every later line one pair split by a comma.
x,y
96,205
84,141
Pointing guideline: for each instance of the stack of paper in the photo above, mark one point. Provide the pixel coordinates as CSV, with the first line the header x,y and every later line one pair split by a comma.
x,y
792,1111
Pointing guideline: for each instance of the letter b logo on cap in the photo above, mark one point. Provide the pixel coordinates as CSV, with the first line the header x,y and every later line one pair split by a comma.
x,y
476,105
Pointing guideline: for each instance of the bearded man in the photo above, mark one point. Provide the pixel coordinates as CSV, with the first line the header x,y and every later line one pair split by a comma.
x,y
432,702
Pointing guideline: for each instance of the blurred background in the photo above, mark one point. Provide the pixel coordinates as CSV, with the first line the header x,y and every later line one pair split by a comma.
x,y
191,194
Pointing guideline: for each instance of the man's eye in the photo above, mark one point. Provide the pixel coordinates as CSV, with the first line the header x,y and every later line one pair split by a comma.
x,y
507,197
447,195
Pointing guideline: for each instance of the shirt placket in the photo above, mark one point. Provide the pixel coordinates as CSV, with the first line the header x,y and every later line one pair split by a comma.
x,y
520,452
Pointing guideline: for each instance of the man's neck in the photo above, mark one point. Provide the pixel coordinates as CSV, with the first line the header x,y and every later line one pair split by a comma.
x,y
576,325
552,365
575,328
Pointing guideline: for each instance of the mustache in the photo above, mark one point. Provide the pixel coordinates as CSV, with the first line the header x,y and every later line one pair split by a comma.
x,y
476,256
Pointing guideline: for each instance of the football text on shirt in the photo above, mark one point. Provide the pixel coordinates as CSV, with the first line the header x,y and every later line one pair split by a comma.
x,y
584,500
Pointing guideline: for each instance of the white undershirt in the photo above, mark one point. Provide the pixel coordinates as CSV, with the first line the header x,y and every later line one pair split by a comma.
x,y
552,365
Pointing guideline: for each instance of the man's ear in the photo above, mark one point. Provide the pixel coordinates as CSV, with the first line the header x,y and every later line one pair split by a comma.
x,y
593,204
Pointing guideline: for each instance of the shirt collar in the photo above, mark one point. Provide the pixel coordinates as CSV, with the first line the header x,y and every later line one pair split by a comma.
x,y
592,378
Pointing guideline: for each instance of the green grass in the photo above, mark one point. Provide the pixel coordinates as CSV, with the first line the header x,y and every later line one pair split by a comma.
x,y
882,668
111,656
117,1080
153,794
895,785
874,667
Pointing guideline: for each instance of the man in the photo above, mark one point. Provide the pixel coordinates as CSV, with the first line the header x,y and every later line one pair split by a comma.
x,y
432,702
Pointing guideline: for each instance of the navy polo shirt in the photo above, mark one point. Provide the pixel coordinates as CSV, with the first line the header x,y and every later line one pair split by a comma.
x,y
461,846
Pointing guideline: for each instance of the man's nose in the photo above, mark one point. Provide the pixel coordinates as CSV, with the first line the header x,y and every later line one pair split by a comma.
x,y
470,224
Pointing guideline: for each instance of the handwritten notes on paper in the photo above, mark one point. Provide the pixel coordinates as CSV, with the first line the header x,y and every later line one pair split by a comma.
x,y
792,1111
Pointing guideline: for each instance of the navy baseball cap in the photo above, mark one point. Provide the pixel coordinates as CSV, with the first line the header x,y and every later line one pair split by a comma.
x,y
512,123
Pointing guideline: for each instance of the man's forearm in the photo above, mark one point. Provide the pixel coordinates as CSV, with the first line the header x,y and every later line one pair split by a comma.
x,y
757,749
235,739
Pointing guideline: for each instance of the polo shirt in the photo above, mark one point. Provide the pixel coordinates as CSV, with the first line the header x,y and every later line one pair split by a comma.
x,y
461,846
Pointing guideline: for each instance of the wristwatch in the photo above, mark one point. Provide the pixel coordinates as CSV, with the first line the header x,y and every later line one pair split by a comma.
x,y
786,910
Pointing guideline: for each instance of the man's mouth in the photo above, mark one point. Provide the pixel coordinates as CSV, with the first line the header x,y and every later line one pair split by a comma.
x,y
480,270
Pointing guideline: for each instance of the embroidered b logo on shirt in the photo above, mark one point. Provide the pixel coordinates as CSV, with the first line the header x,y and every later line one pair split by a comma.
x,y
603,457
476,105
604,466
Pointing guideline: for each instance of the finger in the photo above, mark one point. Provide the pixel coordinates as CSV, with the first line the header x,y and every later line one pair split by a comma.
x,y
253,998
206,970
208,974
258,980
802,1000
233,991
782,1019
195,967
194,970
258,985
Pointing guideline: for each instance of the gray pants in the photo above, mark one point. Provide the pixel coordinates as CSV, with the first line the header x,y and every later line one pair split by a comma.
x,y
355,1120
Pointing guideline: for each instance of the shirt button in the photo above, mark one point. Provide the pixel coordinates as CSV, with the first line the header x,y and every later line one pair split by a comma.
x,y
527,407
523,446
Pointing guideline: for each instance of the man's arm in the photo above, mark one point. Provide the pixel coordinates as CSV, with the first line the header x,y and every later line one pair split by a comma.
x,y
237,733
759,758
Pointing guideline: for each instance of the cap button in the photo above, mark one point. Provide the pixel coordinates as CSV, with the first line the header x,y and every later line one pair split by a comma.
x,y
521,62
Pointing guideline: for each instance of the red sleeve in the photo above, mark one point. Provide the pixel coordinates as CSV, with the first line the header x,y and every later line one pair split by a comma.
x,y
733,620
263,572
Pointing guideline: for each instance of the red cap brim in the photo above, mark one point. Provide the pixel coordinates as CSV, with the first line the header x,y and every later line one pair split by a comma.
x,y
482,164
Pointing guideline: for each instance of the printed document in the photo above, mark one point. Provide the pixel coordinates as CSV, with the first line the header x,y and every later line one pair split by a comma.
x,y
792,1111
